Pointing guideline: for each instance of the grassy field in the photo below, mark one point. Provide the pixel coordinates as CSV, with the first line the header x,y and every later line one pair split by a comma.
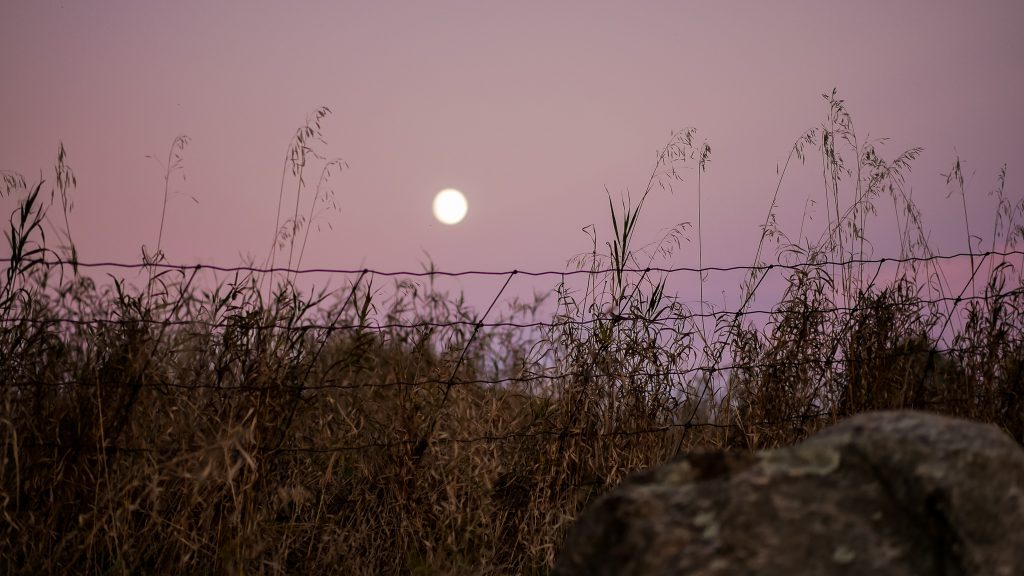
x,y
248,428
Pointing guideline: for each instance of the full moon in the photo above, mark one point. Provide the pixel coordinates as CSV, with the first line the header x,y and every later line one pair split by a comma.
x,y
450,206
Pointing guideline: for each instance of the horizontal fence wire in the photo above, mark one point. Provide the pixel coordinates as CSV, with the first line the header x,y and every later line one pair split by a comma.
x,y
430,273
560,433
525,378
613,318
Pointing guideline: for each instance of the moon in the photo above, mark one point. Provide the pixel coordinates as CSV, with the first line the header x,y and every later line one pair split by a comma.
x,y
450,206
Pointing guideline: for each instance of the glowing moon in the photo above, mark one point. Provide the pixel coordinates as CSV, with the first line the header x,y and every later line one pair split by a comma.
x,y
450,206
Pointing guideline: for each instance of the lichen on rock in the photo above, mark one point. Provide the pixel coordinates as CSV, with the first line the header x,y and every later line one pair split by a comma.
x,y
883,493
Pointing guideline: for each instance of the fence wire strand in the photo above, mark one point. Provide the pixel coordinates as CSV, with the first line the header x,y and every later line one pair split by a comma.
x,y
534,273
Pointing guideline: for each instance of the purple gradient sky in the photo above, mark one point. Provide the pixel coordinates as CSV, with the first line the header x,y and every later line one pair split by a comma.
x,y
530,108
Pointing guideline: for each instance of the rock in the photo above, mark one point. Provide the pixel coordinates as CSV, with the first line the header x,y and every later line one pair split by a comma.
x,y
883,493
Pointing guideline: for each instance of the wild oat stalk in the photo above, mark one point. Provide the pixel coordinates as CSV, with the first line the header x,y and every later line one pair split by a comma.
x,y
303,148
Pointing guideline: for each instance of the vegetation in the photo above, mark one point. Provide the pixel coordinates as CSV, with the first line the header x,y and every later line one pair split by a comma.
x,y
250,428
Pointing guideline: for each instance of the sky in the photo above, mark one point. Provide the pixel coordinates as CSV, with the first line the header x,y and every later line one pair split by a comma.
x,y
536,111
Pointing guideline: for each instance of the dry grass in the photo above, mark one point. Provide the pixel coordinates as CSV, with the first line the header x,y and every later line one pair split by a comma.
x,y
176,429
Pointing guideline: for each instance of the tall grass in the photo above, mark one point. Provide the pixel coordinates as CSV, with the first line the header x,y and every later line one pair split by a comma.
x,y
247,427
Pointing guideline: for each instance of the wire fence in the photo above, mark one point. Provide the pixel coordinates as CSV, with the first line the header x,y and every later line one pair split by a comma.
x,y
724,320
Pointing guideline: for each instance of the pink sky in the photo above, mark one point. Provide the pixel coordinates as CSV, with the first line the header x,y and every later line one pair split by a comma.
x,y
530,108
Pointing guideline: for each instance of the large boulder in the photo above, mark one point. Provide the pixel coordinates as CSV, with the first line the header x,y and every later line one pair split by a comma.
x,y
884,493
